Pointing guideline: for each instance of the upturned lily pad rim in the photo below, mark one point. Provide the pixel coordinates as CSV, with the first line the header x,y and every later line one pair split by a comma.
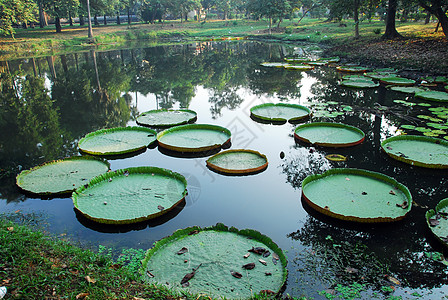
x,y
420,138
193,127
361,172
121,172
28,171
154,111
431,213
291,120
330,124
220,227
116,129
398,81
237,171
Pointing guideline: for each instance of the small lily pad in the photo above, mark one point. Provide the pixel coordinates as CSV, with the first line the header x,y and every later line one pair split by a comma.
x,y
61,176
359,84
299,67
433,96
274,64
357,195
130,195
116,141
352,69
406,89
280,112
395,80
329,134
417,150
238,162
410,127
166,117
216,259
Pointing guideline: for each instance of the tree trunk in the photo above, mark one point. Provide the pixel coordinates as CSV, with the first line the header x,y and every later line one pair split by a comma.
x,y
428,18
118,18
356,18
42,18
436,9
89,21
129,16
81,20
57,23
70,19
391,31
95,20
105,20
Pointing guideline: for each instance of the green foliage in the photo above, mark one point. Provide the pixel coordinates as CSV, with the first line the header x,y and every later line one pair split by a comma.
x,y
16,12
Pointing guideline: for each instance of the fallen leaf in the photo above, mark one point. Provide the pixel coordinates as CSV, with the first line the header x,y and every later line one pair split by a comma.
x,y
266,253
392,192
17,211
249,266
90,279
193,232
257,250
138,298
160,207
236,274
10,228
351,270
393,280
246,255
263,262
150,275
182,251
82,295
267,273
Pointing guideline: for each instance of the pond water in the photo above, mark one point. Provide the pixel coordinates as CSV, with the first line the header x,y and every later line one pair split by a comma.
x,y
54,101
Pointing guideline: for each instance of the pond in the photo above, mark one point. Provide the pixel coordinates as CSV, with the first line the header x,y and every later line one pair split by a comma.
x,y
52,102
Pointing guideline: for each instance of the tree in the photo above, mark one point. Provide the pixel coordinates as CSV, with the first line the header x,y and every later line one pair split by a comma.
x,y
60,9
391,31
15,11
439,9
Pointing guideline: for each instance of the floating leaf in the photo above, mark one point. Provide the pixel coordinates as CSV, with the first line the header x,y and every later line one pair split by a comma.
x,y
438,222
280,112
166,117
433,96
336,157
329,134
351,69
359,84
239,161
396,80
406,89
274,64
410,127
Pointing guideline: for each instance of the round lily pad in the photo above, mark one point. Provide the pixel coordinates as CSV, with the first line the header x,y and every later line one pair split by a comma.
x,y
359,84
356,78
239,161
116,141
166,117
130,195
274,64
193,137
378,75
217,261
357,195
317,63
418,150
438,222
280,112
351,69
299,67
406,89
297,59
395,80
329,134
61,176
433,96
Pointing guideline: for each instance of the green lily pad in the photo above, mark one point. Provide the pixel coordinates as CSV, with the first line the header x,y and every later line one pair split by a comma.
x,y
317,63
274,64
406,89
280,112
422,129
433,96
330,59
116,141
166,117
356,78
416,150
61,176
437,126
329,134
351,69
410,127
240,161
405,102
357,195
297,59
437,221
299,67
194,137
210,261
359,84
378,75
395,80
130,195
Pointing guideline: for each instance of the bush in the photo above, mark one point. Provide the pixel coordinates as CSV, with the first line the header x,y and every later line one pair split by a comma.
x,y
377,31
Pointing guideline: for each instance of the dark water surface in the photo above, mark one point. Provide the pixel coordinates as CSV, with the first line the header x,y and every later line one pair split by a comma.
x,y
55,101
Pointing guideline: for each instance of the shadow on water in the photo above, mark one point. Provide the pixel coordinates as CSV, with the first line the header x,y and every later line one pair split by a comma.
x,y
111,228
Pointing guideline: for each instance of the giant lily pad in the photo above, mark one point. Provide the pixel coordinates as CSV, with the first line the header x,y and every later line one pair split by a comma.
x,y
280,112
299,67
406,89
433,96
395,80
359,84
438,222
351,69
418,150
194,137
130,195
329,134
166,117
61,176
116,141
274,64
217,261
357,195
240,161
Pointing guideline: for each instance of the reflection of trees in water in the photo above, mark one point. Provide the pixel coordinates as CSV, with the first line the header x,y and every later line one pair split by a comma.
x,y
332,247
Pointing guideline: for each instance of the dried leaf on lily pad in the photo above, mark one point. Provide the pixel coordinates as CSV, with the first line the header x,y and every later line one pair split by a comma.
x,y
61,176
132,198
166,117
438,222
117,141
418,150
280,112
193,137
356,195
221,251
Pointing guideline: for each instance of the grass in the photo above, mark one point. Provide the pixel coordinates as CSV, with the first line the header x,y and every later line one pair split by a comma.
x,y
35,265
44,41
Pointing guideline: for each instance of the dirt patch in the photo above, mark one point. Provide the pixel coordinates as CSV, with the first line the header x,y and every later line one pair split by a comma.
x,y
422,55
